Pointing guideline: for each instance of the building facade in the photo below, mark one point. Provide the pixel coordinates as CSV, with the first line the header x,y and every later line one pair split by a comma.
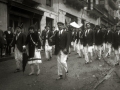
x,y
48,12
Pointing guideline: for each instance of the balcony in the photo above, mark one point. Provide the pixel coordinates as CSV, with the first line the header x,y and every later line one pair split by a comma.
x,y
94,13
31,3
102,9
111,19
112,4
76,4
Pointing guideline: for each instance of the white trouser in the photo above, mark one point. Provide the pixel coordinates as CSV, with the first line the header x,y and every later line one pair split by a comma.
x,y
116,55
108,45
80,50
18,57
77,47
62,64
104,47
98,50
48,51
74,45
88,50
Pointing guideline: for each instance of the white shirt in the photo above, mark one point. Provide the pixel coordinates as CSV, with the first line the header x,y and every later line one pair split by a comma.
x,y
17,35
9,32
98,31
108,32
60,32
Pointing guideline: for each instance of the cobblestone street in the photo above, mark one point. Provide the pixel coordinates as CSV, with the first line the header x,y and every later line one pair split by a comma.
x,y
81,76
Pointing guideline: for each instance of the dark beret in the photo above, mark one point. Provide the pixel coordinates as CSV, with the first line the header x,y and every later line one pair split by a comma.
x,y
60,23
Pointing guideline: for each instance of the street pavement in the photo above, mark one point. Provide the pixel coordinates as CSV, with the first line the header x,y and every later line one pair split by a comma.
x,y
81,76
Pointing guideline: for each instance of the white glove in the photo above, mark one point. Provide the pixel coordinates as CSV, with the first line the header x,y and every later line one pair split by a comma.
x,y
24,47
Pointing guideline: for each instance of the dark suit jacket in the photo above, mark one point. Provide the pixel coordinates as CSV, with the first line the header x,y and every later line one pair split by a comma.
x,y
104,36
89,39
108,37
19,42
50,33
79,36
43,34
2,40
116,40
61,42
98,37
73,35
9,37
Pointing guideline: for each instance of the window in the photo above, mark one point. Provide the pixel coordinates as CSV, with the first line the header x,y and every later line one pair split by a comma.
x,y
94,2
102,1
49,3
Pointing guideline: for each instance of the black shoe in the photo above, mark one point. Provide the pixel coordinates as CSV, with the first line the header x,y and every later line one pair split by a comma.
x,y
50,58
116,64
79,57
17,70
66,74
60,77
86,62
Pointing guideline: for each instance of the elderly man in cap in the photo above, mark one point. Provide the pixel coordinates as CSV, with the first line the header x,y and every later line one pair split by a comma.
x,y
98,41
108,38
18,42
61,49
116,44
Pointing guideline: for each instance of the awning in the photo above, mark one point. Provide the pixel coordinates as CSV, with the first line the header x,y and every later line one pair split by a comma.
x,y
27,8
74,24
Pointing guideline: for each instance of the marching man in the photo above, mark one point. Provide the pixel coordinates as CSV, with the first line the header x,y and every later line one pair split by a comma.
x,y
18,42
116,44
108,38
47,43
98,41
88,38
61,49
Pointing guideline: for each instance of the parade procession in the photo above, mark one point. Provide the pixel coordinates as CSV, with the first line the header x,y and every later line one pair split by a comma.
x,y
60,44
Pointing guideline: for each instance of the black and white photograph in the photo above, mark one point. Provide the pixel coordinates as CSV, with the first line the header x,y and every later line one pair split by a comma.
x,y
59,44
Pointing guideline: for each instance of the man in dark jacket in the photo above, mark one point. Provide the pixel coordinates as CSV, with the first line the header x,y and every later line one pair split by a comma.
x,y
116,44
1,42
9,36
88,38
43,38
104,31
18,42
98,41
47,43
62,47
108,38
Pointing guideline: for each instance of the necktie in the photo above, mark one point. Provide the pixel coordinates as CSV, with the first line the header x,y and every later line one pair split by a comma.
x,y
59,33
108,33
98,31
86,32
79,34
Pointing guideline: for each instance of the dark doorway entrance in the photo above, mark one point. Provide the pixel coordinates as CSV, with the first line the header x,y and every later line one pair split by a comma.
x,y
49,22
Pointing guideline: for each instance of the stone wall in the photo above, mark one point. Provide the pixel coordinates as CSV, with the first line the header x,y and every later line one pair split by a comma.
x,y
3,16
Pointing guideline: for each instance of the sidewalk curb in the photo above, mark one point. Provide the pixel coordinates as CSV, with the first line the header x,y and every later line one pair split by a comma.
x,y
6,58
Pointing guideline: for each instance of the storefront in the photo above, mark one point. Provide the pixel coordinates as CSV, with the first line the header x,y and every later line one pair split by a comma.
x,y
24,16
